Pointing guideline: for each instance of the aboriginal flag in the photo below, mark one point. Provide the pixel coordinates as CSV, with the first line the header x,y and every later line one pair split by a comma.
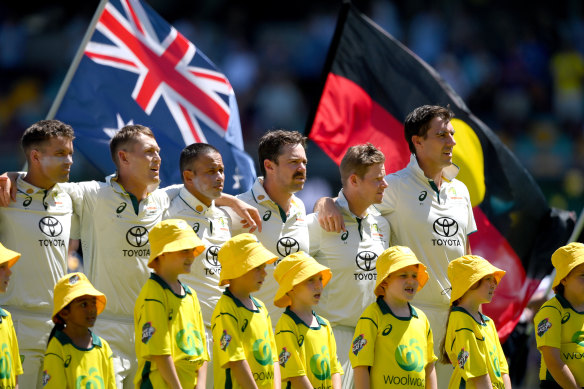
x,y
371,82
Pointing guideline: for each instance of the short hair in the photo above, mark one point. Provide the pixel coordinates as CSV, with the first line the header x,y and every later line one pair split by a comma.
x,y
42,131
192,152
358,159
418,121
126,135
271,143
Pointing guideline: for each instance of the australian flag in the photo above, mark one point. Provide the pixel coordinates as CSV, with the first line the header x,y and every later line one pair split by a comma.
x,y
138,69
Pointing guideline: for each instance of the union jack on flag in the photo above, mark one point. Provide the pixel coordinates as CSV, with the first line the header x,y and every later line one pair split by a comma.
x,y
138,69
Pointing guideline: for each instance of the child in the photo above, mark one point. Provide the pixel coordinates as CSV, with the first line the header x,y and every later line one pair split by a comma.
x,y
244,347
76,357
11,366
471,343
305,341
393,346
171,345
559,324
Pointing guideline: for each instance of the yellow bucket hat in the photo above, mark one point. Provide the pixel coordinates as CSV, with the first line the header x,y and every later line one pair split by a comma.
x,y
240,254
294,269
173,235
74,285
8,256
565,259
465,271
394,259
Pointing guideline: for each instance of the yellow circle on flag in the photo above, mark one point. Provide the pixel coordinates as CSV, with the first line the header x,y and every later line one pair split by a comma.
x,y
468,155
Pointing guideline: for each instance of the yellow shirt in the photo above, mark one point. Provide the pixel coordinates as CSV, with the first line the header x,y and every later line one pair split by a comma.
x,y
168,324
68,366
474,350
307,351
242,334
397,348
10,365
558,325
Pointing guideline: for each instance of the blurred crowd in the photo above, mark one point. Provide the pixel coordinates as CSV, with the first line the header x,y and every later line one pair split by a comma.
x,y
518,65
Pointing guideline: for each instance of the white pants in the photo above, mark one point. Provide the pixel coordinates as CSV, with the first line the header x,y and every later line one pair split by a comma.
x,y
344,339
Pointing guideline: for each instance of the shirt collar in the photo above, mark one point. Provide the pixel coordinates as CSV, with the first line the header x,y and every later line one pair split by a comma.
x,y
155,277
343,203
298,320
192,201
261,197
112,180
565,303
64,339
238,303
27,188
461,309
385,309
449,173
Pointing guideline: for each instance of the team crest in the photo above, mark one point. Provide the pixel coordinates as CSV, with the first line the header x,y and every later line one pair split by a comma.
x,y
147,332
462,358
359,343
225,340
284,356
46,378
543,327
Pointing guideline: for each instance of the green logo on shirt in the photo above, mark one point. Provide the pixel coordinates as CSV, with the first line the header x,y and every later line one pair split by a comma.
x,y
190,341
5,362
263,353
578,338
410,358
92,381
495,361
320,365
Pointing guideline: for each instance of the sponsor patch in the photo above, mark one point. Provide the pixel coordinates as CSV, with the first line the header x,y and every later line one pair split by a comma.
x,y
147,332
284,356
543,327
224,341
46,378
359,343
462,358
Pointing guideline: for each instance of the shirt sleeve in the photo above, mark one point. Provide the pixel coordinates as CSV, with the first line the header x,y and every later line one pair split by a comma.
x,y
291,356
469,351
548,331
471,225
226,335
156,335
431,357
16,364
362,350
110,375
54,367
336,366
201,328
502,360
314,233
272,337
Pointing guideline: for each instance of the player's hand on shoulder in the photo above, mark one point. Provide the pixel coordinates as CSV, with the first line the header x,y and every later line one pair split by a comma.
x,y
329,216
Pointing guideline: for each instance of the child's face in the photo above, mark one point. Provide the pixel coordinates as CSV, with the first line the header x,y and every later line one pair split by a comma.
x,y
81,312
5,273
401,286
307,293
574,285
178,262
254,279
482,292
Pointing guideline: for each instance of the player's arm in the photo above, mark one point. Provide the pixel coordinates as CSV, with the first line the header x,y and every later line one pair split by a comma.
x,y
336,380
506,381
431,381
361,377
8,188
250,215
300,382
202,376
167,370
329,216
467,249
558,368
242,373
278,376
481,382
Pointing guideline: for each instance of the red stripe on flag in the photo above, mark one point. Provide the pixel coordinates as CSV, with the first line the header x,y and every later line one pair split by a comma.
x,y
515,289
347,116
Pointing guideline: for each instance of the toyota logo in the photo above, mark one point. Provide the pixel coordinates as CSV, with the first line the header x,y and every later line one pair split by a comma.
x,y
50,226
287,246
137,236
365,260
445,226
211,256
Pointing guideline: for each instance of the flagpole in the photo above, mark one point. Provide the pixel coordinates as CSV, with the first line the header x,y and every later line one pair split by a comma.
x,y
345,7
76,60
